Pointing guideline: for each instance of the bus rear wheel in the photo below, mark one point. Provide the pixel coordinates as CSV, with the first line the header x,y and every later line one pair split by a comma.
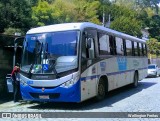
x,y
101,90
135,83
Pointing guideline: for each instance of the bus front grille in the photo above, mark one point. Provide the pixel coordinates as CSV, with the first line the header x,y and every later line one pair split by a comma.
x,y
44,87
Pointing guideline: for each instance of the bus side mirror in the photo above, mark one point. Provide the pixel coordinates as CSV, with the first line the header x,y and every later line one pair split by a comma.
x,y
88,43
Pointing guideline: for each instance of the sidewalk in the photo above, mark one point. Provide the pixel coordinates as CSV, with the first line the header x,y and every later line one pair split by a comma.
x,y
5,97
10,105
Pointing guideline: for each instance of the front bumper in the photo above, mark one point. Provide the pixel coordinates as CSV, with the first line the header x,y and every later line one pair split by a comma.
x,y
152,74
55,94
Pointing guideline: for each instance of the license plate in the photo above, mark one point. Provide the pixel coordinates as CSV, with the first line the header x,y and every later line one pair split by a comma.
x,y
44,96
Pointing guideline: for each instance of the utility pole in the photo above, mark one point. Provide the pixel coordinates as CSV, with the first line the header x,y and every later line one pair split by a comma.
x,y
15,47
103,22
103,17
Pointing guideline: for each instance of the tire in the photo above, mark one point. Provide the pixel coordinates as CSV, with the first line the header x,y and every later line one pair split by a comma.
x,y
101,90
135,83
156,75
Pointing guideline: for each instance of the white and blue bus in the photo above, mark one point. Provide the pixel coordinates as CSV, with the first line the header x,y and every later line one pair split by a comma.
x,y
73,62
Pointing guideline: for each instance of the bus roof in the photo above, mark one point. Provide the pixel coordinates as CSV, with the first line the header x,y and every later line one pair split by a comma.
x,y
81,26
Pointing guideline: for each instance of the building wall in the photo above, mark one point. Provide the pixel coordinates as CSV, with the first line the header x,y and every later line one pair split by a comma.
x,y
155,61
6,60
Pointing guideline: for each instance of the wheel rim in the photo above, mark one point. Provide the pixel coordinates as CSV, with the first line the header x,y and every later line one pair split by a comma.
x,y
101,90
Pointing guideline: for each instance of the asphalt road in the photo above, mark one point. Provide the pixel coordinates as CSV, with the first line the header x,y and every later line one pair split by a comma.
x,y
144,98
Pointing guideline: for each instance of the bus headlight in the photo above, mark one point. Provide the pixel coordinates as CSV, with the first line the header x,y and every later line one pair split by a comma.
x,y
70,82
23,82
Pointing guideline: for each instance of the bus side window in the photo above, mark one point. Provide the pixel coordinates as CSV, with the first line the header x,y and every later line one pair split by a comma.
x,y
136,50
119,46
129,48
103,43
112,44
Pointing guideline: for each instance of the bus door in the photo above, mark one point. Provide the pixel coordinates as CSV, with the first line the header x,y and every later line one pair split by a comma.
x,y
9,83
88,64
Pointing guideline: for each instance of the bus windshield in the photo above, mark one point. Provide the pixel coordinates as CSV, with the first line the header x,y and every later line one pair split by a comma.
x,y
50,52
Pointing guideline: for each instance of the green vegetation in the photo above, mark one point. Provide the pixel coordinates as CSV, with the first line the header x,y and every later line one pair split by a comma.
x,y
128,16
12,31
153,45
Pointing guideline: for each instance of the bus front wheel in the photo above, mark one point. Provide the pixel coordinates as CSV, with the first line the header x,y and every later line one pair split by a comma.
x,y
101,90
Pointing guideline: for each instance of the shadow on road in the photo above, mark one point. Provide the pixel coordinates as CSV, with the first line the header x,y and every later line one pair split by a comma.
x,y
111,98
6,98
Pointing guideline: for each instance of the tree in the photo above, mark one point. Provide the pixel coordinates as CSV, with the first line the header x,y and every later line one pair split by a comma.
x,y
87,10
154,27
153,45
126,3
124,19
140,4
142,11
15,14
118,11
127,25
12,31
149,3
64,11
103,9
42,14
59,11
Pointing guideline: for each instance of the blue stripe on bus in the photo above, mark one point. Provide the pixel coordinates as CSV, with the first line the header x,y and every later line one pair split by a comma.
x,y
114,73
143,68
109,74
89,77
